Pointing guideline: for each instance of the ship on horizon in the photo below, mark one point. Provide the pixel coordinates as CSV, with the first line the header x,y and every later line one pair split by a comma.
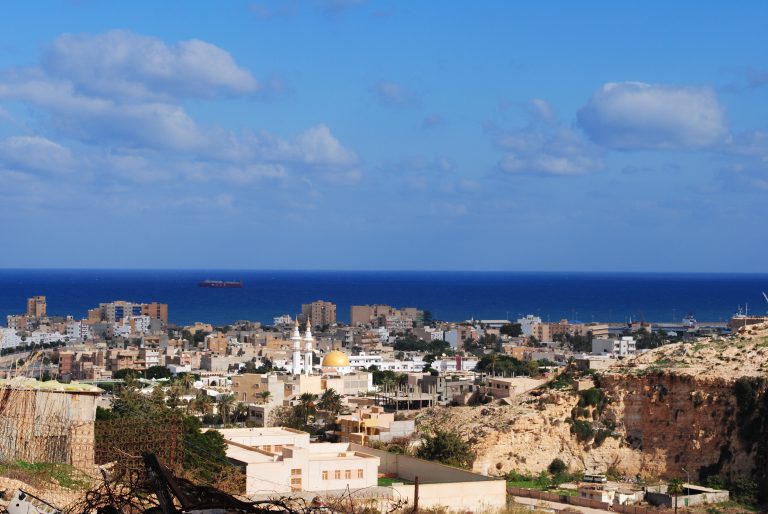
x,y
221,283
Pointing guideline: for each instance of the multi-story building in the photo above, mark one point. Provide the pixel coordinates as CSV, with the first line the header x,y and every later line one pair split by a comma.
x,y
217,343
281,460
78,330
17,321
614,347
372,423
36,307
320,313
386,316
114,312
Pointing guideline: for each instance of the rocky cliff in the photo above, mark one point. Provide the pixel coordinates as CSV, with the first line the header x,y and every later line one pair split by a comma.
x,y
700,407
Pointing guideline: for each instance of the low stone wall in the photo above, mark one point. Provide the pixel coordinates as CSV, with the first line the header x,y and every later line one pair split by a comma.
x,y
584,502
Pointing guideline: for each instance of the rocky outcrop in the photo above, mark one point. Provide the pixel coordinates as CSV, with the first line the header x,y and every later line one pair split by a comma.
x,y
700,408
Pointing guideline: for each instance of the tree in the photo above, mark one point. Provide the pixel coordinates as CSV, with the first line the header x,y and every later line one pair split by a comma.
x,y
675,486
155,372
330,401
225,404
241,411
306,406
512,329
446,447
557,466
203,403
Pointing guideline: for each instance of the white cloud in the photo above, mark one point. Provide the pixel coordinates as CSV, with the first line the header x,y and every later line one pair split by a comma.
x,y
635,115
546,147
124,64
35,154
393,94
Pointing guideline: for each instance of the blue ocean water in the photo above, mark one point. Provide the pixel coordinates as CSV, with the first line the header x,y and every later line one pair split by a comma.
x,y
448,295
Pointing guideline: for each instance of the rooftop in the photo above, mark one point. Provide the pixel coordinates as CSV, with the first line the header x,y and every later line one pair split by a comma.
x,y
29,384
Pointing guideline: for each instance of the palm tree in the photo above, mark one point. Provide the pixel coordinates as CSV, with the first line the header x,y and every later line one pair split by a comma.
x,y
241,411
307,406
330,401
675,486
203,403
225,404
265,396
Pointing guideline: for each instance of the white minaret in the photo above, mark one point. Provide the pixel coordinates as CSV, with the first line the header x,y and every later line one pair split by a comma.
x,y
308,340
296,338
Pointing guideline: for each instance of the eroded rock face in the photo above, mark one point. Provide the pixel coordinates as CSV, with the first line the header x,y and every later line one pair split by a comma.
x,y
675,409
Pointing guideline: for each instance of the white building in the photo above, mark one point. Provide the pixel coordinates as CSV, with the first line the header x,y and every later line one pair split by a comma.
x,y
9,338
78,330
614,347
280,460
38,337
528,324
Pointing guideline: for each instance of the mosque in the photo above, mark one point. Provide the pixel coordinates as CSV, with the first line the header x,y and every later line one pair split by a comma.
x,y
335,362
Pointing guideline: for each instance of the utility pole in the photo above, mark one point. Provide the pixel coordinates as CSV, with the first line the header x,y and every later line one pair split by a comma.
x,y
416,495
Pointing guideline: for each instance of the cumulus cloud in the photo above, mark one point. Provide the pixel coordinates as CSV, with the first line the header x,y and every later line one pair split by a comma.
x,y
392,94
117,101
637,116
122,63
546,147
35,154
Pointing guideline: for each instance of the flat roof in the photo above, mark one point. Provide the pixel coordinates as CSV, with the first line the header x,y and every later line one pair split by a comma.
x,y
29,384
246,456
260,431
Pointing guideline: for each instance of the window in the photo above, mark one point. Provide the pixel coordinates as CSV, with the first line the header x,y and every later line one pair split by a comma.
x,y
296,484
267,447
359,473
337,474
278,448
295,472
348,474
325,475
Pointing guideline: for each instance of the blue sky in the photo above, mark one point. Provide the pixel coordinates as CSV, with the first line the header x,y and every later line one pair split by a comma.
x,y
353,134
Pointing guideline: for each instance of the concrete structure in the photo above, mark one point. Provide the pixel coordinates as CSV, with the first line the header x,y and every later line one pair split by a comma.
x,y
509,387
320,313
691,495
9,338
395,320
280,460
48,422
372,423
614,347
36,307
440,485
216,343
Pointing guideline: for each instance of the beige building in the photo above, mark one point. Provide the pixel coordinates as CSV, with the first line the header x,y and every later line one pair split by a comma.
x,y
280,460
509,387
372,423
216,343
320,313
36,307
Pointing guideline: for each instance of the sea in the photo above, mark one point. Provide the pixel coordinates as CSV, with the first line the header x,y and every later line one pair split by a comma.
x,y
452,296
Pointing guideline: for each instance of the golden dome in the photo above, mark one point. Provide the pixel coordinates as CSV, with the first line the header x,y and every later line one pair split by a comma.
x,y
336,359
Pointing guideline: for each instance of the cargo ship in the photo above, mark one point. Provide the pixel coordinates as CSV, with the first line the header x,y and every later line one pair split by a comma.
x,y
220,283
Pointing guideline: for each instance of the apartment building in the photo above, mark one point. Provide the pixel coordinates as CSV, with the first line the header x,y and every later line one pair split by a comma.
x,y
614,347
395,320
36,307
320,313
